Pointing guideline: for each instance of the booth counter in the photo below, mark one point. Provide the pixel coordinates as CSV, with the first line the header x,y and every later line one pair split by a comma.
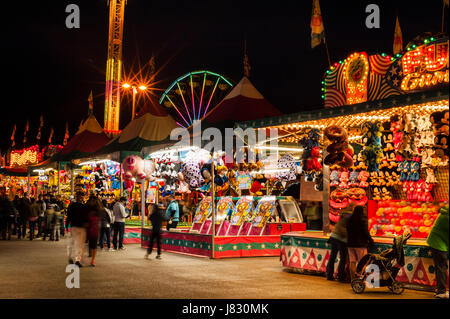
x,y
308,252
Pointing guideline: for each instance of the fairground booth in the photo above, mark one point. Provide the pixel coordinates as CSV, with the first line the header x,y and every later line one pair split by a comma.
x,y
380,141
248,213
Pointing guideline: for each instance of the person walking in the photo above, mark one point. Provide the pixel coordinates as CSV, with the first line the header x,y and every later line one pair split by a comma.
x,y
157,219
95,215
438,242
119,222
56,222
106,222
338,242
49,221
35,212
78,220
24,212
40,220
172,213
358,238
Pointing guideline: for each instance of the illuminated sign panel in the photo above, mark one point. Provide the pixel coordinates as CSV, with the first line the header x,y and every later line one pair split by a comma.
x,y
425,66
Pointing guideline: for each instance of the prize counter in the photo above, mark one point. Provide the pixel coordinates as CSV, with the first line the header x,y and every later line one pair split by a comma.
x,y
308,252
242,230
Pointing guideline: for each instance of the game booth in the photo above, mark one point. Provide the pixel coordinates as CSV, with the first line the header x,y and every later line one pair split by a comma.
x,y
244,227
235,224
380,142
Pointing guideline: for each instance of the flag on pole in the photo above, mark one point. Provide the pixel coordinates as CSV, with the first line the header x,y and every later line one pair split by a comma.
x,y
38,137
66,135
398,40
91,104
27,127
317,29
13,135
247,66
51,136
152,64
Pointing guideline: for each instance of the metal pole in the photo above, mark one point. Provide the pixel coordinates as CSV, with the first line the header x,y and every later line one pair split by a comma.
x,y
121,180
213,195
72,182
59,188
142,207
28,185
326,192
134,103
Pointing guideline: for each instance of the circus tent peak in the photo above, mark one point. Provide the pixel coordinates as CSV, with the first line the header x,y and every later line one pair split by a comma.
x,y
243,103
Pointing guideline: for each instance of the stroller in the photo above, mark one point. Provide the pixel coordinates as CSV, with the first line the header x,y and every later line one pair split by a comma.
x,y
388,262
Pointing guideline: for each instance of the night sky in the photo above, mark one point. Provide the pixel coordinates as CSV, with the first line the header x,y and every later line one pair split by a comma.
x,y
50,70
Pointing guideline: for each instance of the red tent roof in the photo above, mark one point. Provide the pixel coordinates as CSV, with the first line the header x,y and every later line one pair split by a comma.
x,y
89,138
243,103
153,107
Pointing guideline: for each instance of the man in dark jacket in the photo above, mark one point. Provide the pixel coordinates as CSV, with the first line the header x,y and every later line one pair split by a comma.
x,y
157,217
24,205
77,218
7,214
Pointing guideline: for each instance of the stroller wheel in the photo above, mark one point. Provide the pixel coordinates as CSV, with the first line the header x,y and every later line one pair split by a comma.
x,y
397,288
358,285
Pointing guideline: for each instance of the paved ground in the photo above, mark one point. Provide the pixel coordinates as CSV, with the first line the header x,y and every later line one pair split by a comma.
x,y
37,270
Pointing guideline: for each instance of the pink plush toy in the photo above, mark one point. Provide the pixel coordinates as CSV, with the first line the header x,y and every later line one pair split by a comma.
x,y
136,167
362,177
343,178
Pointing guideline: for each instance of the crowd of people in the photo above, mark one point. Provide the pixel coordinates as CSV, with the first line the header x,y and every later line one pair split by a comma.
x,y
48,217
42,217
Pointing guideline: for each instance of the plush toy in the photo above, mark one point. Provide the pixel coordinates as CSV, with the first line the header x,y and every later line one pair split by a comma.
x,y
372,153
286,162
339,199
357,196
334,178
192,175
311,152
403,170
343,178
339,151
385,194
374,179
313,163
414,173
362,177
257,185
353,180
376,194
318,180
441,146
431,179
136,167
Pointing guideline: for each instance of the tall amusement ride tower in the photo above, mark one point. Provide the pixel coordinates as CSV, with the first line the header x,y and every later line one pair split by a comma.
x,y
114,66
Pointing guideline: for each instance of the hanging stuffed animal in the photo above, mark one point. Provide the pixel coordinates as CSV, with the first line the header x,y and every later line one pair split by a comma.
x,y
339,151
136,167
311,153
286,162
192,174
372,153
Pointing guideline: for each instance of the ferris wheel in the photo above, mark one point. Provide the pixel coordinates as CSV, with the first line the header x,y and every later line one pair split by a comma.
x,y
191,96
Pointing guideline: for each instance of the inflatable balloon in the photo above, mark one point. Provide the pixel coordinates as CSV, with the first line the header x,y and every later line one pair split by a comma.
x,y
136,167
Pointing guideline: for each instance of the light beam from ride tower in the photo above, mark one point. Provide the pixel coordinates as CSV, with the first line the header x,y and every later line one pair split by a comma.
x,y
114,67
